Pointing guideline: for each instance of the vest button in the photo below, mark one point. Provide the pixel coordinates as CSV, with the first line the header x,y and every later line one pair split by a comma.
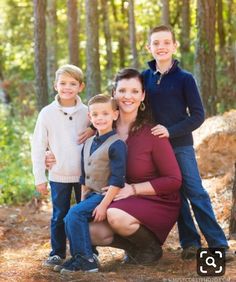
x,y
89,163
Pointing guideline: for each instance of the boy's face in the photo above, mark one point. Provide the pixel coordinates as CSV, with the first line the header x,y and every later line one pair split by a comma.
x,y
102,116
67,88
162,46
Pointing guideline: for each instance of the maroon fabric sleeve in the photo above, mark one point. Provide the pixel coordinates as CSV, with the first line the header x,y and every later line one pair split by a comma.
x,y
169,179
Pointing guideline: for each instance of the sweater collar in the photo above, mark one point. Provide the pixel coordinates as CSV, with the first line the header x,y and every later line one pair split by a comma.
x,y
152,66
77,105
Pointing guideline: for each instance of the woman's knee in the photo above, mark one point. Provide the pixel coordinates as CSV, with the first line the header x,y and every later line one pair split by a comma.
x,y
100,233
114,217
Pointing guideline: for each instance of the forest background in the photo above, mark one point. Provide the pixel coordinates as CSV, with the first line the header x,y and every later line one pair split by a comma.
x,y
100,36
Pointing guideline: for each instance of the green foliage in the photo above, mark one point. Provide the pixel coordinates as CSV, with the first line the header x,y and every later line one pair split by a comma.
x,y
16,180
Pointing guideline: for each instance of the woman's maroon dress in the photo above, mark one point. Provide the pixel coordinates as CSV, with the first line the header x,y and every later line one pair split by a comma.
x,y
152,159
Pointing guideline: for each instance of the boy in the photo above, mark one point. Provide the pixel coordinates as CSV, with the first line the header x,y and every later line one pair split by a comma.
x,y
56,129
103,164
178,110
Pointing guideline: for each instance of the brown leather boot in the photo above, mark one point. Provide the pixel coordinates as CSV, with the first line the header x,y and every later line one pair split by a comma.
x,y
147,246
124,244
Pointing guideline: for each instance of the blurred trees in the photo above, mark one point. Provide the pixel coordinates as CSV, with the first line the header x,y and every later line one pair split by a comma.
x,y
115,36
101,36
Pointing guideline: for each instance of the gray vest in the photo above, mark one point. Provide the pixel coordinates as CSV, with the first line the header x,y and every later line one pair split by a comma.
x,y
97,166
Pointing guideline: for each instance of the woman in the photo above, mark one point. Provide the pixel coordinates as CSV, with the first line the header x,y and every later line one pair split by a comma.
x,y
146,209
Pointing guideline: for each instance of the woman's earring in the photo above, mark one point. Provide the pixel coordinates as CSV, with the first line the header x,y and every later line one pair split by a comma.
x,y
142,106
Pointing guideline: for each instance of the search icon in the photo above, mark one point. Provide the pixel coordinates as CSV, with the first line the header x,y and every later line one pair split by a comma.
x,y
210,261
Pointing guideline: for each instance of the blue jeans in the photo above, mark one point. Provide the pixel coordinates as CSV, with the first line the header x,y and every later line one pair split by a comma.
x,y
77,225
193,192
61,197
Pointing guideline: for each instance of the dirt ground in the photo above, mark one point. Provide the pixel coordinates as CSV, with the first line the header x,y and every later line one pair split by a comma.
x,y
24,243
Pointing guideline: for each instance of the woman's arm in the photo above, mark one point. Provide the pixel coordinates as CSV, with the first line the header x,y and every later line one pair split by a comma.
x,y
144,188
169,177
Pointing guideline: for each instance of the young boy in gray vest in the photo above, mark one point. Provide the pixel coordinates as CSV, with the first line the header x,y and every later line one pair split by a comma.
x,y
103,165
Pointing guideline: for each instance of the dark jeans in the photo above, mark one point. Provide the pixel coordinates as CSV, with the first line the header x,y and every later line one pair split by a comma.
x,y
77,225
61,198
192,192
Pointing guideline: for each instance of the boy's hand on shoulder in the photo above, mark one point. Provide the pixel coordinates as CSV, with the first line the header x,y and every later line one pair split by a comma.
x,y
42,188
160,131
99,213
85,135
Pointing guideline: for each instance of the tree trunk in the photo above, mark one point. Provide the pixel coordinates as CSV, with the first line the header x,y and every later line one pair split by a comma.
x,y
232,225
220,25
108,40
165,15
205,54
121,31
72,16
231,42
132,34
93,79
185,32
51,45
40,53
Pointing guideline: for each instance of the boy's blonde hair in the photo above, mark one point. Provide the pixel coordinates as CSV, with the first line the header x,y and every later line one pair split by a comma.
x,y
102,98
71,70
161,28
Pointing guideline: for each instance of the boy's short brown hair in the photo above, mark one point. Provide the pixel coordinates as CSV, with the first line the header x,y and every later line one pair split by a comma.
x,y
102,98
161,28
71,70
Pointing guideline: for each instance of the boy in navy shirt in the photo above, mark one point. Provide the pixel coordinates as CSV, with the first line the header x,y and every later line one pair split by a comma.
x,y
103,164
178,110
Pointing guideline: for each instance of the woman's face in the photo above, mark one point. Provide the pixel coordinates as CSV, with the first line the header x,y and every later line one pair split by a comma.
x,y
129,95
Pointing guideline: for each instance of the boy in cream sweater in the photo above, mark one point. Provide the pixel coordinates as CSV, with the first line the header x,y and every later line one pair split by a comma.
x,y
57,128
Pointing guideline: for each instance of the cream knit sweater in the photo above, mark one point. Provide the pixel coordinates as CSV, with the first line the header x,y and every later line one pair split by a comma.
x,y
57,131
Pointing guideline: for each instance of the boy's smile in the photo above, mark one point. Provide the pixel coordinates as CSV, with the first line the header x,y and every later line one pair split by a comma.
x,y
102,116
162,47
67,88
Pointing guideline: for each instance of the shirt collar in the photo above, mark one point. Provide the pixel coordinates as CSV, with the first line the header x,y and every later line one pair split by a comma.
x,y
152,66
104,137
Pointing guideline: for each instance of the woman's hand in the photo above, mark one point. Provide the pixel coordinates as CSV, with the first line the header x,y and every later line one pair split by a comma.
x,y
125,192
50,159
85,135
160,131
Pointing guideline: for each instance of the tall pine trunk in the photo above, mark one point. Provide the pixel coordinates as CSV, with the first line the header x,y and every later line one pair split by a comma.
x,y
93,79
72,16
40,53
132,35
165,15
108,40
205,54
185,33
51,45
